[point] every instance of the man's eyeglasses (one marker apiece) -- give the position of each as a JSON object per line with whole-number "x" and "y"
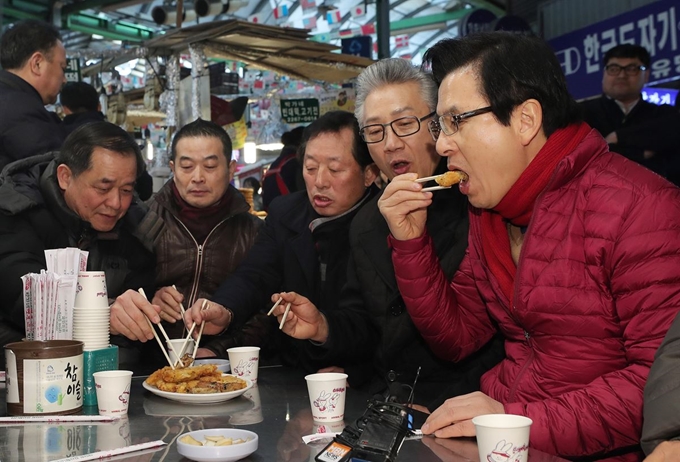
{"x": 450, "y": 123}
{"x": 403, "y": 126}
{"x": 631, "y": 69}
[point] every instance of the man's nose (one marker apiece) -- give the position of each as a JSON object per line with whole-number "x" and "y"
{"x": 198, "y": 175}
{"x": 392, "y": 141}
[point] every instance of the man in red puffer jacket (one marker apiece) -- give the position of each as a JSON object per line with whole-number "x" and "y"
{"x": 573, "y": 253}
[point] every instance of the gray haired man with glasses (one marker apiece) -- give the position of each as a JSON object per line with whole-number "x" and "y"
{"x": 394, "y": 100}
{"x": 644, "y": 132}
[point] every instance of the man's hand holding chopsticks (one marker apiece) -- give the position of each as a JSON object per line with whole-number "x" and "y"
{"x": 170, "y": 300}
{"x": 217, "y": 318}
{"x": 299, "y": 318}
{"x": 129, "y": 316}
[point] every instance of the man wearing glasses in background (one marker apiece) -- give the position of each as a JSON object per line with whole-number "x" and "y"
{"x": 394, "y": 103}
{"x": 644, "y": 132}
{"x": 572, "y": 253}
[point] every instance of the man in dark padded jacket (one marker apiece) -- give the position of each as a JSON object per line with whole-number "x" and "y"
{"x": 81, "y": 198}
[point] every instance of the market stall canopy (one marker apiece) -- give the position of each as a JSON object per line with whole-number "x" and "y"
{"x": 282, "y": 50}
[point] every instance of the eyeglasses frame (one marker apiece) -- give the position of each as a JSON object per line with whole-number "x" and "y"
{"x": 384, "y": 127}
{"x": 436, "y": 123}
{"x": 634, "y": 68}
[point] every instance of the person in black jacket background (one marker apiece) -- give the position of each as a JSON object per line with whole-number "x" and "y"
{"x": 643, "y": 132}
{"x": 80, "y": 102}
{"x": 33, "y": 61}
{"x": 284, "y": 175}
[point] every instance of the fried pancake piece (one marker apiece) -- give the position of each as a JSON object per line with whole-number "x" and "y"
{"x": 188, "y": 373}
{"x": 450, "y": 178}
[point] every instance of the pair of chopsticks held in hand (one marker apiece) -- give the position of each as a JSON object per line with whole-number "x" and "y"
{"x": 285, "y": 313}
{"x": 165, "y": 335}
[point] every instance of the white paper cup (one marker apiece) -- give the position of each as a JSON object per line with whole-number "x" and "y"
{"x": 244, "y": 362}
{"x": 113, "y": 391}
{"x": 327, "y": 396}
{"x": 175, "y": 350}
{"x": 502, "y": 437}
{"x": 91, "y": 290}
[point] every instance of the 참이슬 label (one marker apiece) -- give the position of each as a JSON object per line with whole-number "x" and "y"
{"x": 53, "y": 385}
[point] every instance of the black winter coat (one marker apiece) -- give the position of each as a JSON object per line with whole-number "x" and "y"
{"x": 288, "y": 256}
{"x": 372, "y": 316}
{"x": 34, "y": 217}
{"x": 647, "y": 127}
{"x": 26, "y": 127}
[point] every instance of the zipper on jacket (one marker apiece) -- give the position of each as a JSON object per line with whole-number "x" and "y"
{"x": 199, "y": 260}
{"x": 525, "y": 366}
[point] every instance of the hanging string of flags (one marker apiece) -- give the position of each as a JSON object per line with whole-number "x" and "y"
{"x": 333, "y": 18}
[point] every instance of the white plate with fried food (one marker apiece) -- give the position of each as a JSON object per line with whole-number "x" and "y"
{"x": 217, "y": 444}
{"x": 203, "y": 384}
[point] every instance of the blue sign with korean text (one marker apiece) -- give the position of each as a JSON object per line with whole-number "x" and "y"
{"x": 653, "y": 26}
{"x": 660, "y": 96}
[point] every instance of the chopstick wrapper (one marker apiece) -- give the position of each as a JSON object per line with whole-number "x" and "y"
{"x": 114, "y": 452}
{"x": 56, "y": 418}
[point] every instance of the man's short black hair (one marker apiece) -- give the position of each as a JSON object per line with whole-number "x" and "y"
{"x": 79, "y": 97}
{"x": 25, "y": 38}
{"x": 76, "y": 153}
{"x": 335, "y": 122}
{"x": 628, "y": 50}
{"x": 202, "y": 128}
{"x": 511, "y": 68}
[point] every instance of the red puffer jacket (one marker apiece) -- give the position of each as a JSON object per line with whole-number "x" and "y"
{"x": 596, "y": 289}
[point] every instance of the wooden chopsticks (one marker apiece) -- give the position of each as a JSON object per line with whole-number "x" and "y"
{"x": 285, "y": 313}
{"x": 160, "y": 344}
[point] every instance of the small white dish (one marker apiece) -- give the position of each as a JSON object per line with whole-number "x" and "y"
{"x": 218, "y": 453}
{"x": 222, "y": 364}
{"x": 207, "y": 398}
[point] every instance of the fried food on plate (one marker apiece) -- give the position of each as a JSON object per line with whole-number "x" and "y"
{"x": 451, "y": 178}
{"x": 196, "y": 379}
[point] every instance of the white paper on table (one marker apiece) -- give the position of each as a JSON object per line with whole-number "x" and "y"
{"x": 114, "y": 452}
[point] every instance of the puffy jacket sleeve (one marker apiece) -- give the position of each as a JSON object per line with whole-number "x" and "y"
{"x": 432, "y": 302}
{"x": 643, "y": 270}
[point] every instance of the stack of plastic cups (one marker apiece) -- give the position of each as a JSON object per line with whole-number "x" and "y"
{"x": 91, "y": 311}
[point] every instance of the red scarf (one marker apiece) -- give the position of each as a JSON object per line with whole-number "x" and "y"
{"x": 518, "y": 204}
{"x": 200, "y": 221}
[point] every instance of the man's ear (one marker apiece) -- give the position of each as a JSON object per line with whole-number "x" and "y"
{"x": 36, "y": 63}
{"x": 528, "y": 120}
{"x": 370, "y": 174}
{"x": 232, "y": 169}
{"x": 64, "y": 176}
{"x": 172, "y": 167}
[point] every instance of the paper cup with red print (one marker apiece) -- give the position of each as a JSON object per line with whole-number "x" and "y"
{"x": 91, "y": 290}
{"x": 502, "y": 437}
{"x": 327, "y": 396}
{"x": 113, "y": 392}
{"x": 244, "y": 362}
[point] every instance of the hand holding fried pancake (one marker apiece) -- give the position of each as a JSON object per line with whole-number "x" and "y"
{"x": 404, "y": 206}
